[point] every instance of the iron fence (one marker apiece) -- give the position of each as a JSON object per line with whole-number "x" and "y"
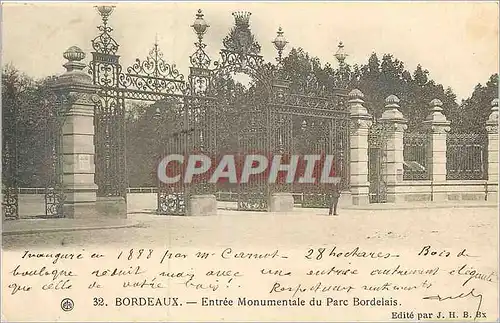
{"x": 415, "y": 157}
{"x": 377, "y": 159}
{"x": 466, "y": 156}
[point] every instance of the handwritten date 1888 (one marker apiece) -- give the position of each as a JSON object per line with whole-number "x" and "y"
{"x": 320, "y": 253}
{"x": 135, "y": 254}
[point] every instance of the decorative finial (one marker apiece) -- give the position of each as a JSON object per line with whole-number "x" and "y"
{"x": 200, "y": 26}
{"x": 436, "y": 116}
{"x": 74, "y": 54}
{"x": 436, "y": 105}
{"x": 392, "y": 102}
{"x": 356, "y": 94}
{"x": 280, "y": 41}
{"x": 492, "y": 122}
{"x": 157, "y": 114}
{"x": 356, "y": 105}
{"x": 105, "y": 12}
{"x": 280, "y": 44}
{"x": 341, "y": 55}
{"x": 391, "y": 112}
{"x": 494, "y": 104}
{"x": 242, "y": 18}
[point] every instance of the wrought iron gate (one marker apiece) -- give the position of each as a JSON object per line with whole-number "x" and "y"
{"x": 377, "y": 150}
{"x": 280, "y": 115}
{"x": 32, "y": 153}
{"x": 209, "y": 112}
{"x": 188, "y": 113}
{"x": 313, "y": 125}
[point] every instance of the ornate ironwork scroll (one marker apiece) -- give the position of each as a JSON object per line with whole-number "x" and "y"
{"x": 153, "y": 74}
{"x": 109, "y": 120}
{"x": 377, "y": 158}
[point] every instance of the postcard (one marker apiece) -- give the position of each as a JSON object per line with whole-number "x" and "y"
{"x": 250, "y": 161}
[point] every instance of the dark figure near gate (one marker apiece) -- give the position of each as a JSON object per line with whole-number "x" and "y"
{"x": 335, "y": 200}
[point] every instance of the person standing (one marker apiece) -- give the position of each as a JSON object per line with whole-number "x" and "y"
{"x": 335, "y": 200}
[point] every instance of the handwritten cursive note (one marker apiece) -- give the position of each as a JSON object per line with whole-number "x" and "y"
{"x": 425, "y": 283}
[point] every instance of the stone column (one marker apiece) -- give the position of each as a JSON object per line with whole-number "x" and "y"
{"x": 78, "y": 137}
{"x": 437, "y": 127}
{"x": 394, "y": 126}
{"x": 358, "y": 164}
{"x": 492, "y": 128}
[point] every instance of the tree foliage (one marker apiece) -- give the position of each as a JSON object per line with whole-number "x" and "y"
{"x": 29, "y": 126}
{"x": 475, "y": 110}
{"x": 377, "y": 79}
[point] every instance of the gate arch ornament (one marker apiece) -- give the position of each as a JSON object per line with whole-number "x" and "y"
{"x": 275, "y": 114}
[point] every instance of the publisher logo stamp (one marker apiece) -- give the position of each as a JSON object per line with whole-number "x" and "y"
{"x": 67, "y": 304}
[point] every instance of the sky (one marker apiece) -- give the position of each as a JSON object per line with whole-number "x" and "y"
{"x": 456, "y": 41}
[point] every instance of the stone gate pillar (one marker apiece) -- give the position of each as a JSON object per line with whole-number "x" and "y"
{"x": 437, "y": 127}
{"x": 394, "y": 126}
{"x": 492, "y": 128}
{"x": 78, "y": 137}
{"x": 360, "y": 125}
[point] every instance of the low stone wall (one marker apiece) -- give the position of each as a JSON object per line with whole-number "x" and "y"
{"x": 456, "y": 190}
{"x": 31, "y": 205}
{"x": 141, "y": 202}
{"x": 416, "y": 191}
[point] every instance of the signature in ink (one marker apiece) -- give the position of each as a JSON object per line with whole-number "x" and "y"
{"x": 472, "y": 293}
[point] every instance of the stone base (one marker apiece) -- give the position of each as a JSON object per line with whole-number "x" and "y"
{"x": 281, "y": 202}
{"x": 201, "y": 205}
{"x": 492, "y": 197}
{"x": 112, "y": 207}
{"x": 492, "y": 194}
{"x": 396, "y": 198}
{"x": 345, "y": 199}
{"x": 439, "y": 197}
{"x": 81, "y": 211}
{"x": 360, "y": 200}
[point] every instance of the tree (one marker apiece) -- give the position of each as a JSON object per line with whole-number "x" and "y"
{"x": 475, "y": 110}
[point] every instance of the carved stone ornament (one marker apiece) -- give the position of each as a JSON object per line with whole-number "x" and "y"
{"x": 492, "y": 129}
{"x": 391, "y": 112}
{"x": 492, "y": 122}
{"x": 74, "y": 75}
{"x": 83, "y": 98}
{"x": 436, "y": 121}
{"x": 360, "y": 124}
{"x": 356, "y": 107}
{"x": 439, "y": 129}
{"x": 390, "y": 126}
